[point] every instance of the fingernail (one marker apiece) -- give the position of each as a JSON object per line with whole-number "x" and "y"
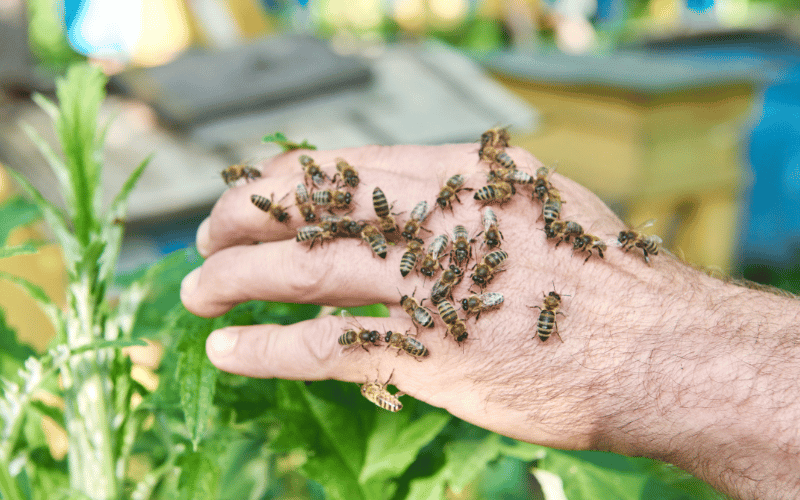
{"x": 203, "y": 238}
{"x": 221, "y": 343}
{"x": 189, "y": 283}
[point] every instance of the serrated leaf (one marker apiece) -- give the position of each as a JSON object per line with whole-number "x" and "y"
{"x": 199, "y": 479}
{"x": 16, "y": 212}
{"x": 55, "y": 219}
{"x": 396, "y": 441}
{"x": 57, "y": 166}
{"x": 197, "y": 377}
{"x": 24, "y": 249}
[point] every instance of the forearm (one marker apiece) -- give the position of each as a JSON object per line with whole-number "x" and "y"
{"x": 713, "y": 388}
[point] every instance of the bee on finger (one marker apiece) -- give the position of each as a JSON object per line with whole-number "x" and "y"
{"x": 476, "y": 304}
{"x": 235, "y": 172}
{"x": 407, "y": 343}
{"x": 430, "y": 263}
{"x": 443, "y": 288}
{"x": 587, "y": 243}
{"x": 551, "y": 209}
{"x": 303, "y": 203}
{"x": 450, "y": 191}
{"x": 491, "y": 231}
{"x": 455, "y": 325}
{"x": 541, "y": 184}
{"x": 358, "y": 335}
{"x": 546, "y": 324}
{"x": 386, "y": 220}
{"x": 421, "y": 316}
{"x": 413, "y": 252}
{"x": 462, "y": 246}
{"x": 375, "y": 239}
{"x": 348, "y": 173}
{"x": 377, "y": 393}
{"x": 498, "y": 157}
{"x": 332, "y": 199}
{"x": 497, "y": 192}
{"x": 276, "y": 210}
{"x": 313, "y": 173}
{"x": 496, "y": 137}
{"x": 631, "y": 238}
{"x": 563, "y": 230}
{"x": 414, "y": 224}
{"x": 314, "y": 234}
{"x": 485, "y": 270}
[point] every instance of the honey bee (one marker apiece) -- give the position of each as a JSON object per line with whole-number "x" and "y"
{"x": 420, "y": 315}
{"x": 384, "y": 212}
{"x": 377, "y": 393}
{"x": 499, "y": 192}
{"x": 491, "y": 231}
{"x": 476, "y": 304}
{"x": 414, "y": 224}
{"x": 486, "y": 269}
{"x": 332, "y": 199}
{"x": 358, "y": 336}
{"x": 455, "y": 325}
{"x": 498, "y": 157}
{"x": 409, "y": 260}
{"x": 407, "y": 343}
{"x": 314, "y": 234}
{"x": 546, "y": 324}
{"x": 541, "y": 184}
{"x": 268, "y": 205}
{"x": 375, "y": 239}
{"x": 551, "y": 209}
{"x": 304, "y": 204}
{"x": 563, "y": 230}
{"x": 518, "y": 177}
{"x": 587, "y": 242}
{"x": 450, "y": 190}
{"x": 341, "y": 225}
{"x": 430, "y": 263}
{"x": 496, "y": 137}
{"x": 312, "y": 170}
{"x": 443, "y": 288}
{"x": 348, "y": 172}
{"x": 462, "y": 246}
{"x": 634, "y": 238}
{"x": 235, "y": 172}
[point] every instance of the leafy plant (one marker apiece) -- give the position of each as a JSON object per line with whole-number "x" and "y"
{"x": 197, "y": 433}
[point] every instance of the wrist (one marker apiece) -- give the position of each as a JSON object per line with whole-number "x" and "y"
{"x": 711, "y": 388}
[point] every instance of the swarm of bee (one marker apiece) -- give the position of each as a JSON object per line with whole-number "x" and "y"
{"x": 321, "y": 196}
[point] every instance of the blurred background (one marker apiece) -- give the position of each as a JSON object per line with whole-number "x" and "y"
{"x": 682, "y": 111}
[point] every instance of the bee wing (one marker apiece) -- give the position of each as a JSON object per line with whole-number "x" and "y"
{"x": 612, "y": 242}
{"x": 645, "y": 224}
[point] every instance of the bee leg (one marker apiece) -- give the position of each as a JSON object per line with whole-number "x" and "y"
{"x": 590, "y": 254}
{"x": 364, "y": 347}
{"x": 646, "y": 258}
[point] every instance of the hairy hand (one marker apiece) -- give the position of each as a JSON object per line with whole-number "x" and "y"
{"x": 502, "y": 377}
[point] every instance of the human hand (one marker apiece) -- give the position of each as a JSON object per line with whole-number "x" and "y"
{"x": 502, "y": 377}
{"x": 650, "y": 362}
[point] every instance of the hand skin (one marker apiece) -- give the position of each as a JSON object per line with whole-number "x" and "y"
{"x": 657, "y": 360}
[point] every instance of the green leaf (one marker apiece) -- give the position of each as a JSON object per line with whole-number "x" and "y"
{"x": 55, "y": 219}
{"x": 396, "y": 441}
{"x": 16, "y": 212}
{"x": 607, "y": 475}
{"x": 24, "y": 249}
{"x": 9, "y": 490}
{"x": 287, "y": 145}
{"x": 333, "y": 431}
{"x": 112, "y": 229}
{"x": 12, "y": 353}
{"x": 196, "y": 375}
{"x": 57, "y": 166}
{"x": 199, "y": 479}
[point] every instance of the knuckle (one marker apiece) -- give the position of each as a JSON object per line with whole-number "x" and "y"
{"x": 321, "y": 344}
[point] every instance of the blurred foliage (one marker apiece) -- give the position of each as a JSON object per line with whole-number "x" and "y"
{"x": 47, "y": 36}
